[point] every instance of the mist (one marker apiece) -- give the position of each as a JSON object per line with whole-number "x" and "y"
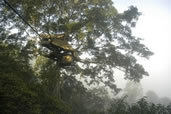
{"x": 154, "y": 27}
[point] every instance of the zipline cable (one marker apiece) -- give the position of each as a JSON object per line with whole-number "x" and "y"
{"x": 15, "y": 11}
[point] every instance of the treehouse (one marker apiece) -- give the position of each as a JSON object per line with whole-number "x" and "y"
{"x": 61, "y": 51}
{"x": 55, "y": 41}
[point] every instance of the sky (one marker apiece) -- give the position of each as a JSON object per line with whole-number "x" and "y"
{"x": 154, "y": 26}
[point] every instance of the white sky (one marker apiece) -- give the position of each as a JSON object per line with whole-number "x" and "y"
{"x": 154, "y": 26}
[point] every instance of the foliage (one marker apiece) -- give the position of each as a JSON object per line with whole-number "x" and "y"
{"x": 19, "y": 90}
{"x": 81, "y": 99}
{"x": 22, "y": 92}
{"x": 153, "y": 97}
{"x": 142, "y": 106}
{"x": 102, "y": 39}
{"x": 94, "y": 28}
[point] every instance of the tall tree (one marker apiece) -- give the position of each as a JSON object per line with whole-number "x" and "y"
{"x": 101, "y": 37}
{"x": 20, "y": 90}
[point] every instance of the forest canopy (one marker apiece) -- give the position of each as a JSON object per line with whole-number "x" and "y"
{"x": 55, "y": 42}
{"x": 94, "y": 28}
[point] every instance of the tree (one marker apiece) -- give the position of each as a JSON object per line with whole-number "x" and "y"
{"x": 142, "y": 106}
{"x": 93, "y": 28}
{"x": 15, "y": 93}
{"x": 153, "y": 97}
{"x": 20, "y": 90}
{"x": 119, "y": 106}
{"x": 133, "y": 91}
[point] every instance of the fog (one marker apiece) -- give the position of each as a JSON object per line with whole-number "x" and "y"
{"x": 154, "y": 27}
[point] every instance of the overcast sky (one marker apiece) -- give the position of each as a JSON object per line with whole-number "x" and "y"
{"x": 154, "y": 26}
